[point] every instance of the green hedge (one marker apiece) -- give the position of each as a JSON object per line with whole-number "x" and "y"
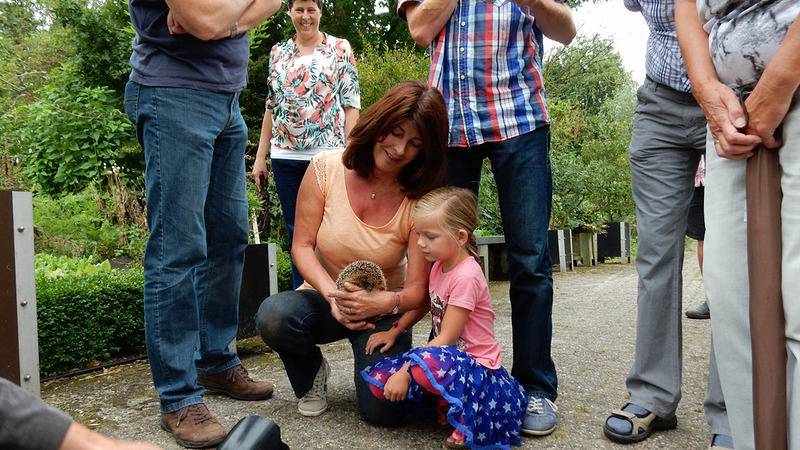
{"x": 94, "y": 313}
{"x": 89, "y": 317}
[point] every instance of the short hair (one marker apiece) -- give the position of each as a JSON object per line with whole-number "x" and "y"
{"x": 453, "y": 209}
{"x": 290, "y": 3}
{"x": 424, "y": 107}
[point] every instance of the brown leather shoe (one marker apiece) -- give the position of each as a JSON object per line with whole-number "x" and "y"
{"x": 237, "y": 383}
{"x": 193, "y": 426}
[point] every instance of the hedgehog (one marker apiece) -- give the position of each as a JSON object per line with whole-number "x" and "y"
{"x": 364, "y": 273}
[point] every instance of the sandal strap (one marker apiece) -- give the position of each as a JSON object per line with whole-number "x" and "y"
{"x": 637, "y": 423}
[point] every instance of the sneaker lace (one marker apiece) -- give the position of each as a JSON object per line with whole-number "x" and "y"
{"x": 317, "y": 391}
{"x": 241, "y": 372}
{"x": 197, "y": 412}
{"x": 536, "y": 405}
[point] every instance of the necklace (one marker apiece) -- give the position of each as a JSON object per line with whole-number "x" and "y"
{"x": 375, "y": 193}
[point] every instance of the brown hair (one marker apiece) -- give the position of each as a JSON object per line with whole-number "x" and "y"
{"x": 424, "y": 107}
{"x": 290, "y": 3}
{"x": 454, "y": 209}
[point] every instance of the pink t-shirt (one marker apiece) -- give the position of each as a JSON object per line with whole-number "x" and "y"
{"x": 465, "y": 287}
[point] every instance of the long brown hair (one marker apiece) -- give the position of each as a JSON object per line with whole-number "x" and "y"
{"x": 424, "y": 107}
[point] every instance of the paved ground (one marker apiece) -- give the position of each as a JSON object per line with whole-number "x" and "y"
{"x": 593, "y": 346}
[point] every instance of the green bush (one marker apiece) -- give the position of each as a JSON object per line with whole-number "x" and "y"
{"x": 380, "y": 69}
{"x": 89, "y": 317}
{"x": 284, "y": 271}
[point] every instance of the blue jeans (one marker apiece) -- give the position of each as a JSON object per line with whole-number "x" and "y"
{"x": 194, "y": 143}
{"x": 288, "y": 174}
{"x": 293, "y": 323}
{"x": 524, "y": 185}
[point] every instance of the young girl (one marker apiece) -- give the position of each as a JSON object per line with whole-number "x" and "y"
{"x": 461, "y": 363}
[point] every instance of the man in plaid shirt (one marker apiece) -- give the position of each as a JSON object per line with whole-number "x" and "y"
{"x": 486, "y": 59}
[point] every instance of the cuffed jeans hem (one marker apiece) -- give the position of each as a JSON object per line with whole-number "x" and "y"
{"x": 233, "y": 363}
{"x": 542, "y": 394}
{"x": 172, "y": 407}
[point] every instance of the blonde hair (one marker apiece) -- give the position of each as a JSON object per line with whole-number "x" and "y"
{"x": 453, "y": 209}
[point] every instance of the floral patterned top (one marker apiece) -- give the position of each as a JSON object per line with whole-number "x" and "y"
{"x": 308, "y": 94}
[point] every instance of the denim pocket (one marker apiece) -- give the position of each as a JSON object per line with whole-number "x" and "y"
{"x": 131, "y": 102}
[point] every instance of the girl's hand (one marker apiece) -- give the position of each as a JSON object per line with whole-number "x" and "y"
{"x": 358, "y": 304}
{"x": 396, "y": 387}
{"x": 384, "y": 338}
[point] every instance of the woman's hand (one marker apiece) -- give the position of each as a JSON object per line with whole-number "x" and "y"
{"x": 396, "y": 387}
{"x": 725, "y": 117}
{"x": 357, "y": 303}
{"x": 260, "y": 170}
{"x": 384, "y": 338}
{"x": 346, "y": 320}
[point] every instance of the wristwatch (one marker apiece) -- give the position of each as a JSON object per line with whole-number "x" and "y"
{"x": 234, "y": 29}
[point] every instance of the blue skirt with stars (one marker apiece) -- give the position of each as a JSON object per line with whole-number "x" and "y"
{"x": 486, "y": 405}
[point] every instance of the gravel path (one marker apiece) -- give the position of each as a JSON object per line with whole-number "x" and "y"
{"x": 593, "y": 345}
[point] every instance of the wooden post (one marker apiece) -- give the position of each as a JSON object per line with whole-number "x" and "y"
{"x": 19, "y": 340}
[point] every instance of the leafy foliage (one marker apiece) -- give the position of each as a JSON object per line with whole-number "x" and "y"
{"x": 591, "y": 99}
{"x": 71, "y": 133}
{"x": 89, "y": 317}
{"x": 101, "y": 35}
{"x": 59, "y": 266}
{"x": 84, "y": 225}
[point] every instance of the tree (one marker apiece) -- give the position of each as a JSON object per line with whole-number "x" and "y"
{"x": 591, "y": 99}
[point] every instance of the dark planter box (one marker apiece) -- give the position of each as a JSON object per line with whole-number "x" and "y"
{"x": 494, "y": 258}
{"x": 615, "y": 242}
{"x": 259, "y": 281}
{"x": 560, "y": 243}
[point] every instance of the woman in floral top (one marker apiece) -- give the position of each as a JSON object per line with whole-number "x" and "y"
{"x": 312, "y": 104}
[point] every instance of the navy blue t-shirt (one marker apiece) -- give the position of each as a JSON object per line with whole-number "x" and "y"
{"x": 182, "y": 60}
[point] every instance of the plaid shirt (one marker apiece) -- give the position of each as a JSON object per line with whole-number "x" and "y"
{"x": 664, "y": 62}
{"x": 487, "y": 62}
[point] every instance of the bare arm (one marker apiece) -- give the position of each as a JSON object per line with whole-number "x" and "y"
{"x": 78, "y": 437}
{"x": 264, "y": 142}
{"x": 553, "y": 18}
{"x": 426, "y": 19}
{"x": 414, "y": 294}
{"x": 350, "y": 119}
{"x": 214, "y": 19}
{"x": 719, "y": 102}
{"x": 772, "y": 96}
{"x": 455, "y": 317}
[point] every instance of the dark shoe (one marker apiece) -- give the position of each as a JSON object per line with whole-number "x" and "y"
{"x": 720, "y": 441}
{"x": 641, "y": 424}
{"x": 193, "y": 426}
{"x": 236, "y": 382}
{"x": 254, "y": 433}
{"x": 701, "y": 312}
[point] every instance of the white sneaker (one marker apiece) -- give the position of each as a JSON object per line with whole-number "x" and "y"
{"x": 315, "y": 402}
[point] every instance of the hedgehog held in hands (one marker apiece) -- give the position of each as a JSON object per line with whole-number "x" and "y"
{"x": 363, "y": 273}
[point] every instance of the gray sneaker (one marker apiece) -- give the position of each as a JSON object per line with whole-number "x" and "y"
{"x": 540, "y": 417}
{"x": 315, "y": 402}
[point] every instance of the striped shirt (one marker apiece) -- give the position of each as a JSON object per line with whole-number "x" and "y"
{"x": 664, "y": 62}
{"x": 487, "y": 62}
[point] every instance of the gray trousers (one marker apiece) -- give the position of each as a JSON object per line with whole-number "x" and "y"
{"x": 727, "y": 282}
{"x": 668, "y": 138}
